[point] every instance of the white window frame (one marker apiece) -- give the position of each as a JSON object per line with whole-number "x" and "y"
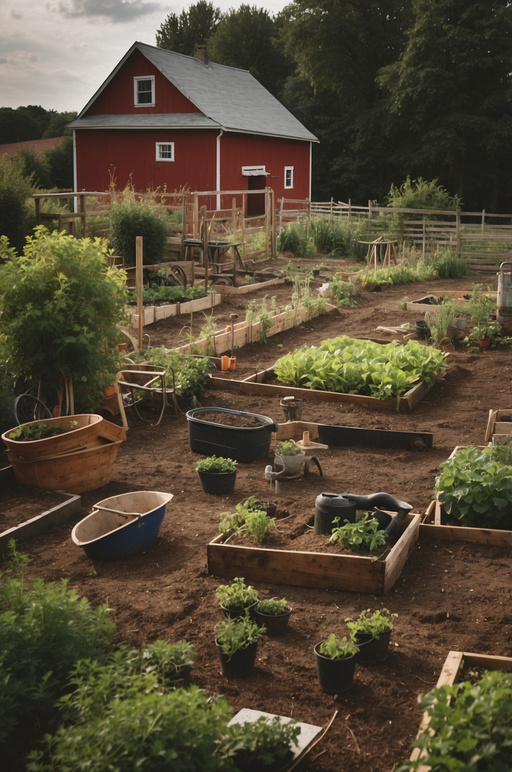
{"x": 158, "y": 151}
{"x": 136, "y": 93}
{"x": 288, "y": 172}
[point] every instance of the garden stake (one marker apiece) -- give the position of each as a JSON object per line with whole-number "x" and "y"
{"x": 232, "y": 318}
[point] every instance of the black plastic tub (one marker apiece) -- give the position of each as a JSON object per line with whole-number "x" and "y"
{"x": 241, "y": 443}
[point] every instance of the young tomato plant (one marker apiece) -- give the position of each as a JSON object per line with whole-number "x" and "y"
{"x": 363, "y": 534}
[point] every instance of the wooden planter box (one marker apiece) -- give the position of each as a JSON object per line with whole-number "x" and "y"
{"x": 499, "y": 425}
{"x": 39, "y": 524}
{"x": 450, "y": 673}
{"x": 434, "y": 527}
{"x": 155, "y": 313}
{"x": 246, "y": 289}
{"x": 255, "y": 384}
{"x": 353, "y": 573}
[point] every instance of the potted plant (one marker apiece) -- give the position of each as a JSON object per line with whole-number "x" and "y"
{"x": 335, "y": 661}
{"x": 217, "y": 475}
{"x": 290, "y": 456}
{"x": 236, "y": 598}
{"x": 371, "y": 632}
{"x": 273, "y": 614}
{"x": 484, "y": 335}
{"x": 263, "y": 745}
{"x": 172, "y": 662}
{"x": 237, "y": 642}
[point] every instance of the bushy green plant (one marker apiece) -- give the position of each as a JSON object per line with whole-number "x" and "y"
{"x": 476, "y": 488}
{"x": 344, "y": 294}
{"x": 236, "y": 633}
{"x": 447, "y": 265}
{"x": 168, "y": 661}
{"x": 131, "y": 219}
{"x": 288, "y": 448}
{"x": 237, "y": 595}
{"x": 59, "y": 307}
{"x": 246, "y": 521}
{"x": 421, "y": 194}
{"x": 469, "y": 726}
{"x": 364, "y": 533}
{"x": 340, "y": 237}
{"x": 165, "y": 294}
{"x": 262, "y": 744}
{"x": 187, "y": 374}
{"x": 376, "y": 623}
{"x": 45, "y": 629}
{"x": 272, "y": 606}
{"x": 294, "y": 239}
{"x": 7, "y": 387}
{"x": 337, "y": 648}
{"x": 40, "y": 430}
{"x": 216, "y": 464}
{"x": 15, "y": 190}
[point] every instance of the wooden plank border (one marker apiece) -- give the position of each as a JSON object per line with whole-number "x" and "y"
{"x": 39, "y": 524}
{"x": 353, "y": 573}
{"x": 432, "y": 527}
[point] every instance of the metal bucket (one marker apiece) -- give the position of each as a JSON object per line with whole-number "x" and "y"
{"x": 504, "y": 295}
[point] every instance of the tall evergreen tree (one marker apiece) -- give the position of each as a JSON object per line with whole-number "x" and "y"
{"x": 191, "y": 28}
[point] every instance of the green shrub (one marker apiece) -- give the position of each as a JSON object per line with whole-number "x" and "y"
{"x": 421, "y": 194}
{"x": 15, "y": 189}
{"x": 45, "y": 629}
{"x": 191, "y": 374}
{"x": 340, "y": 238}
{"x": 447, "y": 265}
{"x": 294, "y": 239}
{"x": 131, "y": 219}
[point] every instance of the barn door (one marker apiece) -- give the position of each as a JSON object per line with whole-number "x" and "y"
{"x": 256, "y": 202}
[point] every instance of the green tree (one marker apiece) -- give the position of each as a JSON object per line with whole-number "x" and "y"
{"x": 57, "y": 125}
{"x": 191, "y": 28}
{"x": 17, "y": 126}
{"x": 34, "y": 166}
{"x": 15, "y": 191}
{"x": 247, "y": 38}
{"x": 449, "y": 97}
{"x": 60, "y": 163}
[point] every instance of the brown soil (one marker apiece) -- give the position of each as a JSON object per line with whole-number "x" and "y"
{"x": 451, "y": 595}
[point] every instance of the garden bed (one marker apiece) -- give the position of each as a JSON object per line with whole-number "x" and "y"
{"x": 156, "y": 313}
{"x": 262, "y": 383}
{"x": 437, "y": 525}
{"x": 328, "y": 570}
{"x": 454, "y": 664}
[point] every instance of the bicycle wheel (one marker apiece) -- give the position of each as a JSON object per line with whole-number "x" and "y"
{"x": 29, "y": 408}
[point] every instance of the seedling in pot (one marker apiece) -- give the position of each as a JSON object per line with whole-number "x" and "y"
{"x": 216, "y": 464}
{"x": 272, "y": 606}
{"x": 236, "y": 633}
{"x": 237, "y": 595}
{"x": 337, "y": 648}
{"x": 374, "y": 624}
{"x": 288, "y": 448}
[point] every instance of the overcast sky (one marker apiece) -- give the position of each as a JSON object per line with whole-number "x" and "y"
{"x": 58, "y": 53}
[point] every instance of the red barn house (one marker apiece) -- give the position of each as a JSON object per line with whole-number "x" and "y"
{"x": 164, "y": 119}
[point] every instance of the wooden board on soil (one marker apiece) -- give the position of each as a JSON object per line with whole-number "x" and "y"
{"x": 26, "y": 512}
{"x": 437, "y": 525}
{"x": 310, "y": 567}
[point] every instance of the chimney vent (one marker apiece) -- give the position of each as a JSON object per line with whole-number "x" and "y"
{"x": 202, "y": 54}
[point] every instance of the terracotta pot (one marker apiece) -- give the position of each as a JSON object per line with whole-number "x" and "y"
{"x": 484, "y": 342}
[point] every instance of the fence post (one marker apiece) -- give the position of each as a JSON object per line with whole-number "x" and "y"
{"x": 308, "y": 216}
{"x": 273, "y": 249}
{"x": 483, "y": 221}
{"x": 350, "y": 210}
{"x": 204, "y": 239}
{"x": 457, "y": 232}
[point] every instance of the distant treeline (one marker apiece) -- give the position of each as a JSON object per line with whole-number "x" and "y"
{"x": 32, "y": 122}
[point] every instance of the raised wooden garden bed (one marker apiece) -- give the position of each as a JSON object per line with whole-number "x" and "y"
{"x": 435, "y": 525}
{"x": 433, "y": 308}
{"x": 260, "y": 383}
{"x": 250, "y": 333}
{"x": 450, "y": 674}
{"x": 499, "y": 425}
{"x": 331, "y": 571}
{"x": 155, "y": 313}
{"x": 350, "y": 436}
{"x": 246, "y": 289}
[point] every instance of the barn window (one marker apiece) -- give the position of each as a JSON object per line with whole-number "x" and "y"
{"x": 144, "y": 91}
{"x": 165, "y": 151}
{"x": 288, "y": 176}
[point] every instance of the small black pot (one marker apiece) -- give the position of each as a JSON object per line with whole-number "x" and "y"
{"x": 334, "y": 675}
{"x": 372, "y": 650}
{"x": 233, "y": 613}
{"x": 240, "y": 664}
{"x": 217, "y": 483}
{"x": 275, "y": 624}
{"x": 422, "y": 330}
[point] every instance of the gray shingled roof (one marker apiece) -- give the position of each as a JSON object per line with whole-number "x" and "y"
{"x": 227, "y": 97}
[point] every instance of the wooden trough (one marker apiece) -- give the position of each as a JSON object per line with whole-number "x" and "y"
{"x": 350, "y": 572}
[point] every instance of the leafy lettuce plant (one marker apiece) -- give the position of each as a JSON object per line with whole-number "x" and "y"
{"x": 363, "y": 534}
{"x": 475, "y": 487}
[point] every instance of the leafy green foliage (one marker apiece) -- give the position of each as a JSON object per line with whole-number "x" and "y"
{"x": 236, "y": 633}
{"x": 163, "y": 294}
{"x": 246, "y": 521}
{"x": 344, "y": 294}
{"x": 261, "y": 744}
{"x": 131, "y": 219}
{"x": 475, "y": 487}
{"x": 192, "y": 27}
{"x": 272, "y": 606}
{"x": 45, "y": 629}
{"x": 191, "y": 374}
{"x": 376, "y": 623}
{"x": 294, "y": 239}
{"x": 421, "y": 194}
{"x": 447, "y": 265}
{"x": 216, "y": 464}
{"x": 40, "y": 430}
{"x": 237, "y": 595}
{"x": 15, "y": 189}
{"x": 353, "y": 366}
{"x": 469, "y": 727}
{"x": 288, "y": 448}
{"x": 59, "y": 307}
{"x": 337, "y": 648}
{"x": 364, "y": 534}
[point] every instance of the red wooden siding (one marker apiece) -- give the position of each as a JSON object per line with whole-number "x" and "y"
{"x": 117, "y": 97}
{"x": 129, "y": 156}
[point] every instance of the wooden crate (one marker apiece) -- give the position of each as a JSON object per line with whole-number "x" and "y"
{"x": 255, "y": 384}
{"x": 434, "y": 527}
{"x": 499, "y": 423}
{"x": 353, "y": 573}
{"x": 449, "y": 675}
